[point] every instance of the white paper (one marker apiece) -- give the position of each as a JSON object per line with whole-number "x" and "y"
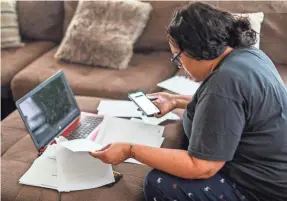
{"x": 43, "y": 172}
{"x": 137, "y": 120}
{"x": 121, "y": 130}
{"x": 118, "y": 108}
{"x": 156, "y": 121}
{"x": 81, "y": 145}
{"x": 80, "y": 171}
{"x": 134, "y": 161}
{"x": 180, "y": 85}
{"x": 60, "y": 139}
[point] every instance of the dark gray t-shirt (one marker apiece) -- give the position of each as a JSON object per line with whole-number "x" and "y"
{"x": 239, "y": 115}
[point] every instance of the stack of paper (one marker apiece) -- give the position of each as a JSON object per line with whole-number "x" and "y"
{"x": 121, "y": 130}
{"x": 180, "y": 85}
{"x": 43, "y": 172}
{"x": 118, "y": 108}
{"x": 80, "y": 171}
{"x": 68, "y": 167}
{"x": 156, "y": 121}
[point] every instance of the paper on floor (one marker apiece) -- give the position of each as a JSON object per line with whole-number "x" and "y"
{"x": 118, "y": 108}
{"x": 81, "y": 145}
{"x": 80, "y": 171}
{"x": 180, "y": 85}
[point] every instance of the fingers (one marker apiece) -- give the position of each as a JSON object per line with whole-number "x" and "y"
{"x": 153, "y": 96}
{"x": 105, "y": 147}
{"x": 97, "y": 154}
{"x": 157, "y": 104}
{"x": 100, "y": 154}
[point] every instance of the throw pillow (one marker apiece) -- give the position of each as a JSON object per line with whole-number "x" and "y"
{"x": 10, "y": 36}
{"x": 102, "y": 33}
{"x": 255, "y": 20}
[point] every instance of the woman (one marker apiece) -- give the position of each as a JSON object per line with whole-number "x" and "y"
{"x": 235, "y": 123}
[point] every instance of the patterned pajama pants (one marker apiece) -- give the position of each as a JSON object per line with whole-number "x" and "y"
{"x": 160, "y": 186}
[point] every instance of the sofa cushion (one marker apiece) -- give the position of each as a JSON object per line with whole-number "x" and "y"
{"x": 99, "y": 39}
{"x": 154, "y": 35}
{"x": 145, "y": 71}
{"x": 70, "y": 9}
{"x": 14, "y": 60}
{"x": 41, "y": 20}
{"x": 273, "y": 35}
{"x": 11, "y": 190}
{"x": 273, "y": 31}
{"x": 20, "y": 153}
{"x": 10, "y": 136}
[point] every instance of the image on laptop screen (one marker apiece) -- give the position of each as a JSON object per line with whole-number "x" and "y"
{"x": 49, "y": 110}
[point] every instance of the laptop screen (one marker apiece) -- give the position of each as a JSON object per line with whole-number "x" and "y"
{"x": 48, "y": 109}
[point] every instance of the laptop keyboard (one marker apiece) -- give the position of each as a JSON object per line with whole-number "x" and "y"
{"x": 85, "y": 127}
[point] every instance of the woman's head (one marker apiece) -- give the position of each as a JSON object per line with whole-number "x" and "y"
{"x": 204, "y": 33}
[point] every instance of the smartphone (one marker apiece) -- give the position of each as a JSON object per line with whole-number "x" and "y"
{"x": 144, "y": 103}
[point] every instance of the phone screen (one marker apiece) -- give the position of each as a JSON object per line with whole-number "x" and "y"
{"x": 144, "y": 103}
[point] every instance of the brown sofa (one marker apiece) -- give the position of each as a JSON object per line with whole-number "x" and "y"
{"x": 42, "y": 27}
{"x": 18, "y": 153}
{"x": 150, "y": 63}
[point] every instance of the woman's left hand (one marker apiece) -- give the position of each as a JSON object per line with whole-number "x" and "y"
{"x": 114, "y": 154}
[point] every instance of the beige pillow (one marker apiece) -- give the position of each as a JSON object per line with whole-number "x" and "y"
{"x": 10, "y": 36}
{"x": 102, "y": 33}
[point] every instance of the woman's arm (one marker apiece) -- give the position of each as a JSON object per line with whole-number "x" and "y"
{"x": 168, "y": 102}
{"x": 182, "y": 101}
{"x": 172, "y": 161}
{"x": 175, "y": 162}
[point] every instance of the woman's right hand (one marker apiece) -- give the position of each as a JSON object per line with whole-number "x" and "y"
{"x": 164, "y": 101}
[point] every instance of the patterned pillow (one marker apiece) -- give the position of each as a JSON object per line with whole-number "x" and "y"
{"x": 10, "y": 36}
{"x": 102, "y": 33}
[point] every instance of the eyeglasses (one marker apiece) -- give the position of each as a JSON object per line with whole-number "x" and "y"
{"x": 175, "y": 60}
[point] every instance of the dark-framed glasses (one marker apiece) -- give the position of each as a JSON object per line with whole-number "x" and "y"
{"x": 176, "y": 59}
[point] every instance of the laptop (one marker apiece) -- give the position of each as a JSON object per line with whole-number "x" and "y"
{"x": 50, "y": 110}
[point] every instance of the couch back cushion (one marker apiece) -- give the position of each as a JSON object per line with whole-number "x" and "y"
{"x": 273, "y": 35}
{"x": 273, "y": 31}
{"x": 41, "y": 20}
